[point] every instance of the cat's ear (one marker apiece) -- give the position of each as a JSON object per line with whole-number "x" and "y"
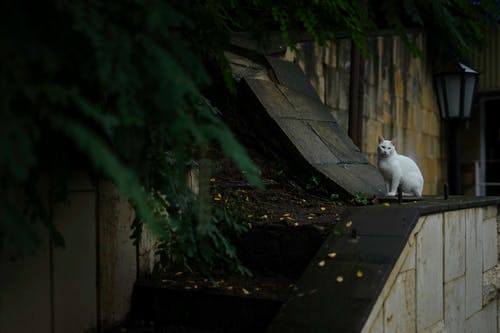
{"x": 380, "y": 139}
{"x": 394, "y": 141}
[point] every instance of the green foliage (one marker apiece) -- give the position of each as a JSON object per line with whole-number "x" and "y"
{"x": 117, "y": 88}
{"x": 360, "y": 200}
{"x": 312, "y": 183}
{"x": 110, "y": 88}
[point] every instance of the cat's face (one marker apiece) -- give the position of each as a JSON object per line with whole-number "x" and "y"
{"x": 386, "y": 147}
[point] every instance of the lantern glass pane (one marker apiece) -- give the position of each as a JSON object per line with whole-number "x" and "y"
{"x": 470, "y": 81}
{"x": 453, "y": 95}
{"x": 441, "y": 95}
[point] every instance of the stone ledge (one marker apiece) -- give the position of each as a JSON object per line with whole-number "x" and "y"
{"x": 437, "y": 204}
{"x": 331, "y": 295}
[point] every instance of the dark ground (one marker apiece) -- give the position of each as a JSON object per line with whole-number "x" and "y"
{"x": 286, "y": 225}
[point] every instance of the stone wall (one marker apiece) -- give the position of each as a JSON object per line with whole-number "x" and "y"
{"x": 399, "y": 99}
{"x": 446, "y": 278}
{"x": 86, "y": 285}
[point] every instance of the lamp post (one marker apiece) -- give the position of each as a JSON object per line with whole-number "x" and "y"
{"x": 455, "y": 87}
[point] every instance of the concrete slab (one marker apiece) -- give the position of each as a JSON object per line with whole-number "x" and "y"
{"x": 399, "y": 306}
{"x": 291, "y": 75}
{"x": 489, "y": 243}
{"x": 474, "y": 261}
{"x": 454, "y": 305}
{"x": 309, "y": 135}
{"x": 429, "y": 272}
{"x": 75, "y": 269}
{"x": 454, "y": 245}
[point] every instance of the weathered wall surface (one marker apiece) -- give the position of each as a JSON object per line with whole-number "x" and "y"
{"x": 55, "y": 290}
{"x": 79, "y": 288}
{"x": 398, "y": 99}
{"x": 446, "y": 278}
{"x": 328, "y": 69}
{"x": 117, "y": 255}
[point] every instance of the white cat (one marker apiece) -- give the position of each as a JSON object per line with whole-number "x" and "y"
{"x": 398, "y": 170}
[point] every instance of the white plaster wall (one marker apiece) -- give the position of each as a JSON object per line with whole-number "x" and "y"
{"x": 446, "y": 279}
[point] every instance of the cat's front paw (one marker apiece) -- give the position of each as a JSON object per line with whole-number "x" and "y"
{"x": 391, "y": 193}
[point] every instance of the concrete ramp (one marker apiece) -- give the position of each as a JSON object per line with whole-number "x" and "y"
{"x": 287, "y": 116}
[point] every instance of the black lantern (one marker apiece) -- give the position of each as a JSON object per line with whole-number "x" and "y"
{"x": 455, "y": 87}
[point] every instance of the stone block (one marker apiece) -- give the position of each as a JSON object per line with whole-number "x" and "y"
{"x": 370, "y": 102}
{"x": 319, "y": 85}
{"x": 399, "y": 307}
{"x": 344, "y": 53}
{"x": 490, "y": 235}
{"x": 483, "y": 321}
{"x": 432, "y": 123}
{"x": 119, "y": 254}
{"x": 413, "y": 118}
{"x": 490, "y": 285}
{"x": 371, "y": 131}
{"x": 490, "y": 212}
{"x": 473, "y": 261}
{"x": 75, "y": 266}
{"x": 454, "y": 305}
{"x": 399, "y": 84}
{"x": 343, "y": 90}
{"x": 377, "y": 325}
{"x": 330, "y": 54}
{"x": 454, "y": 244}
{"x": 429, "y": 267}
{"x": 400, "y": 113}
{"x": 25, "y": 296}
{"x": 409, "y": 262}
{"x": 332, "y": 86}
{"x": 437, "y": 327}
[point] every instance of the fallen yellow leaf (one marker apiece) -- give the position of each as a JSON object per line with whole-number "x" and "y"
{"x": 310, "y": 217}
{"x": 321, "y": 263}
{"x": 246, "y": 292}
{"x": 286, "y": 214}
{"x": 212, "y": 180}
{"x": 322, "y": 209}
{"x": 179, "y": 273}
{"x": 250, "y": 216}
{"x": 247, "y": 199}
{"x": 386, "y": 204}
{"x": 264, "y": 216}
{"x": 296, "y": 224}
{"x": 339, "y": 279}
{"x": 359, "y": 273}
{"x": 332, "y": 254}
{"x": 348, "y": 224}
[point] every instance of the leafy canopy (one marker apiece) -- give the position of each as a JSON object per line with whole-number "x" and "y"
{"x": 116, "y": 87}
